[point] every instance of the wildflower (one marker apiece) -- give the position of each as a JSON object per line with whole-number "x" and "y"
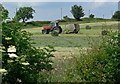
{"x": 19, "y": 80}
{"x": 8, "y": 38}
{"x": 11, "y": 49}
{"x": 25, "y": 63}
{"x": 35, "y": 64}
{"x": 12, "y": 55}
{"x": 3, "y": 71}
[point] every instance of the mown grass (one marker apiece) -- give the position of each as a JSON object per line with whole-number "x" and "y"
{"x": 64, "y": 40}
{"x": 72, "y": 40}
{"x": 68, "y": 46}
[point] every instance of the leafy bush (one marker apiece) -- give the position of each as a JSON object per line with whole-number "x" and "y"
{"x": 116, "y": 15}
{"x": 104, "y": 32}
{"x": 101, "y": 64}
{"x": 88, "y": 27}
{"x": 54, "y": 33}
{"x": 91, "y": 16}
{"x": 24, "y": 63}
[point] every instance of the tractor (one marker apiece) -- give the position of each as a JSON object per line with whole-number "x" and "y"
{"x": 54, "y": 25}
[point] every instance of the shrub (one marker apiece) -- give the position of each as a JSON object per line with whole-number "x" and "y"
{"x": 88, "y": 27}
{"x": 25, "y": 63}
{"x": 104, "y": 32}
{"x": 102, "y": 63}
{"x": 38, "y": 23}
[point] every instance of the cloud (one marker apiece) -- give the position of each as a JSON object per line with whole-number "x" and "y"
{"x": 33, "y": 4}
{"x": 99, "y": 3}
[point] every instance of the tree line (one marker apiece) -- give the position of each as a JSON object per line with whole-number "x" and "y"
{"x": 25, "y": 13}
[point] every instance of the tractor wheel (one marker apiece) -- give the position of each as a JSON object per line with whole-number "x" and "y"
{"x": 58, "y": 29}
{"x": 44, "y": 31}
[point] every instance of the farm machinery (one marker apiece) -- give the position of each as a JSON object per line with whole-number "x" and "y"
{"x": 53, "y": 26}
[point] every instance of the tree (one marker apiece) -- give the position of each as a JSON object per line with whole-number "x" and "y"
{"x": 77, "y": 12}
{"x": 91, "y": 16}
{"x": 116, "y": 15}
{"x": 66, "y": 18}
{"x": 24, "y": 13}
{"x": 3, "y": 12}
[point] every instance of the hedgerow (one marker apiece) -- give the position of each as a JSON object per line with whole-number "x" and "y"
{"x": 101, "y": 63}
{"x": 23, "y": 62}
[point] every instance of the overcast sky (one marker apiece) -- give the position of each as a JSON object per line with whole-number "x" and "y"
{"x": 52, "y": 10}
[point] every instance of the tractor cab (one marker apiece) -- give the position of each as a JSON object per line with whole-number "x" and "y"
{"x": 54, "y": 24}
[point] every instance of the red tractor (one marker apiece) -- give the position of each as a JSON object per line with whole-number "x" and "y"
{"x": 53, "y": 26}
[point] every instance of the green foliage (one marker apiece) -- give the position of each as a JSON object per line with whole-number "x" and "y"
{"x": 66, "y": 18}
{"x": 4, "y": 12}
{"x": 101, "y": 64}
{"x": 104, "y": 32}
{"x": 38, "y": 23}
{"x": 26, "y": 64}
{"x": 24, "y": 14}
{"x": 91, "y": 16}
{"x": 77, "y": 12}
{"x": 116, "y": 15}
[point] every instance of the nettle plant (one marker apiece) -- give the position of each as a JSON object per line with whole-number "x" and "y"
{"x": 23, "y": 62}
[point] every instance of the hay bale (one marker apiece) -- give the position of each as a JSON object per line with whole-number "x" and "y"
{"x": 88, "y": 27}
{"x": 72, "y": 28}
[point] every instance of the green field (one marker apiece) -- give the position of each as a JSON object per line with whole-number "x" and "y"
{"x": 82, "y": 39}
{"x": 70, "y": 45}
{"x": 64, "y": 43}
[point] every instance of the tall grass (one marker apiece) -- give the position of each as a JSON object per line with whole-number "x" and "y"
{"x": 98, "y": 64}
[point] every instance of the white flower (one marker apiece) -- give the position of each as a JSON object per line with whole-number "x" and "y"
{"x": 24, "y": 63}
{"x": 3, "y": 71}
{"x": 19, "y": 80}
{"x": 11, "y": 49}
{"x": 12, "y": 55}
{"x": 8, "y": 38}
{"x": 111, "y": 40}
{"x": 10, "y": 61}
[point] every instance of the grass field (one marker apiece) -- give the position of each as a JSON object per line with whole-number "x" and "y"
{"x": 82, "y": 39}
{"x": 69, "y": 45}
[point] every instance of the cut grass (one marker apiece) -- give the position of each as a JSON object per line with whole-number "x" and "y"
{"x": 72, "y": 40}
{"x": 68, "y": 46}
{"x": 64, "y": 40}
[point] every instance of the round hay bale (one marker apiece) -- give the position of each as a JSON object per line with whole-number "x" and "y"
{"x": 72, "y": 28}
{"x": 77, "y": 28}
{"x": 88, "y": 27}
